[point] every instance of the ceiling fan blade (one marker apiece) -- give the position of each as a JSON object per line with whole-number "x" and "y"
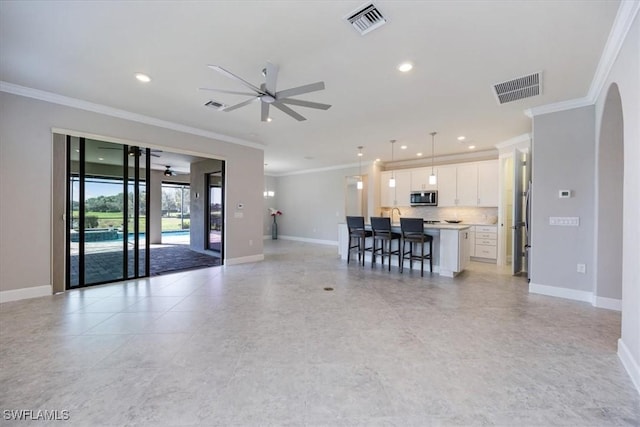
{"x": 264, "y": 115}
{"x": 302, "y": 103}
{"x": 300, "y": 90}
{"x": 289, "y": 111}
{"x": 234, "y": 92}
{"x": 233, "y": 76}
{"x": 271, "y": 78}
{"x": 242, "y": 104}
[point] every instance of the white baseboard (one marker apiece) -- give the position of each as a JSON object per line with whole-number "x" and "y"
{"x": 608, "y": 303}
{"x": 244, "y": 259}
{"x": 307, "y": 240}
{"x": 629, "y": 364}
{"x": 567, "y": 293}
{"x": 24, "y": 293}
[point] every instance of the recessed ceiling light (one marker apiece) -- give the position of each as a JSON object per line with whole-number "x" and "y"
{"x": 471, "y": 147}
{"x": 269, "y": 119}
{"x": 404, "y": 147}
{"x": 405, "y": 67}
{"x": 419, "y": 154}
{"x": 461, "y": 138}
{"x": 143, "y": 77}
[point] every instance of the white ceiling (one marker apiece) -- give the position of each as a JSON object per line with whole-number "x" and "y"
{"x": 91, "y": 50}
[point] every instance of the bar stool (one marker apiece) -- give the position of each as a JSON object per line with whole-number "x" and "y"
{"x": 357, "y": 237}
{"x": 381, "y": 227}
{"x": 412, "y": 230}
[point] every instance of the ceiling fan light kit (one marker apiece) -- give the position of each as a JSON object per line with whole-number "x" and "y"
{"x": 268, "y": 95}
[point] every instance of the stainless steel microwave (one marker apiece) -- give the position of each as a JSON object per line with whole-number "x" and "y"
{"x": 424, "y": 198}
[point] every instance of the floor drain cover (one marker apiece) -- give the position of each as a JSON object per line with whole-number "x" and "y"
{"x": 328, "y": 289}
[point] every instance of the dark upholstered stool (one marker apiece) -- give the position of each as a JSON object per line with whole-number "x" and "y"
{"x": 412, "y": 230}
{"x": 381, "y": 227}
{"x": 357, "y": 237}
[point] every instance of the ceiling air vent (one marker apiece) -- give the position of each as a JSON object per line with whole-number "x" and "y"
{"x": 366, "y": 19}
{"x": 215, "y": 105}
{"x": 520, "y": 88}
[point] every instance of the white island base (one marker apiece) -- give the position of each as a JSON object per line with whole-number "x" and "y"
{"x": 450, "y": 247}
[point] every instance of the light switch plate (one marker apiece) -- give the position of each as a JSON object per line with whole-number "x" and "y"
{"x": 565, "y": 221}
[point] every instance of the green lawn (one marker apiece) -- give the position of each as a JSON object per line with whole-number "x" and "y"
{"x": 115, "y": 220}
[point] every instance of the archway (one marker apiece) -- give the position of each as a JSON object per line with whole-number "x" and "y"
{"x": 609, "y": 204}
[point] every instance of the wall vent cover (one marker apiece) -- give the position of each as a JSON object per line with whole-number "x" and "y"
{"x": 215, "y": 105}
{"x": 366, "y": 18}
{"x": 519, "y": 88}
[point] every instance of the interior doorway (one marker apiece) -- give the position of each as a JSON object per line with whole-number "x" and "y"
{"x": 610, "y": 183}
{"x": 215, "y": 213}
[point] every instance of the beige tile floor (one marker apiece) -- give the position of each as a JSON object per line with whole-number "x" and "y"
{"x": 264, "y": 344}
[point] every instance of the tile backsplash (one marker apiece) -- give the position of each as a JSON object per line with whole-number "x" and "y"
{"x": 467, "y": 215}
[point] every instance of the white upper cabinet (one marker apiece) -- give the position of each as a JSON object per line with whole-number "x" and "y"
{"x": 420, "y": 179}
{"x": 464, "y": 184}
{"x": 398, "y": 195}
{"x": 488, "y": 179}
{"x": 447, "y": 193}
{"x": 467, "y": 184}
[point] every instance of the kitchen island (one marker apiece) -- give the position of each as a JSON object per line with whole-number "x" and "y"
{"x": 450, "y": 246}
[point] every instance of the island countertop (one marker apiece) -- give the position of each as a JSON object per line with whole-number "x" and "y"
{"x": 439, "y": 226}
{"x": 450, "y": 245}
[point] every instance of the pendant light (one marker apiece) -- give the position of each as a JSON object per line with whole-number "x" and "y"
{"x": 432, "y": 178}
{"x": 392, "y": 180}
{"x": 359, "y": 185}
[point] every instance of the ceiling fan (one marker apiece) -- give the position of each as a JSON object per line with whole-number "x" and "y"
{"x": 267, "y": 94}
{"x": 132, "y": 150}
{"x": 169, "y": 172}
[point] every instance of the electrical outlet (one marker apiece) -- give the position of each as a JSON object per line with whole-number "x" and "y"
{"x": 582, "y": 268}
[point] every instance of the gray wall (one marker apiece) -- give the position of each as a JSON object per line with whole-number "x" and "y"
{"x": 155, "y": 207}
{"x": 198, "y": 204}
{"x": 26, "y": 166}
{"x": 313, "y": 204}
{"x": 624, "y": 73}
{"x": 564, "y": 159}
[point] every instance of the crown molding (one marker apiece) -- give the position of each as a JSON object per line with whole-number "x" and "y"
{"x": 621, "y": 25}
{"x": 328, "y": 168}
{"x": 520, "y": 139}
{"x": 558, "y": 106}
{"x": 80, "y": 104}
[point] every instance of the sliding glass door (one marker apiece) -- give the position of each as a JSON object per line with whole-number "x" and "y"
{"x": 106, "y": 212}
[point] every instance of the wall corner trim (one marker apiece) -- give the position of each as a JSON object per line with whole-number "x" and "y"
{"x": 629, "y": 363}
{"x": 619, "y": 30}
{"x": 25, "y": 293}
{"x": 608, "y": 303}
{"x": 244, "y": 259}
{"x": 555, "y": 291}
{"x": 307, "y": 240}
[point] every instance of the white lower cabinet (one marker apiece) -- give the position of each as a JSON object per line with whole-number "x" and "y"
{"x": 486, "y": 242}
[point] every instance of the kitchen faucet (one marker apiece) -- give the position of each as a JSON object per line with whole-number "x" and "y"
{"x": 399, "y": 214}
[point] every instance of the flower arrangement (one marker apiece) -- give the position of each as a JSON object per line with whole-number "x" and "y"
{"x": 274, "y": 227}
